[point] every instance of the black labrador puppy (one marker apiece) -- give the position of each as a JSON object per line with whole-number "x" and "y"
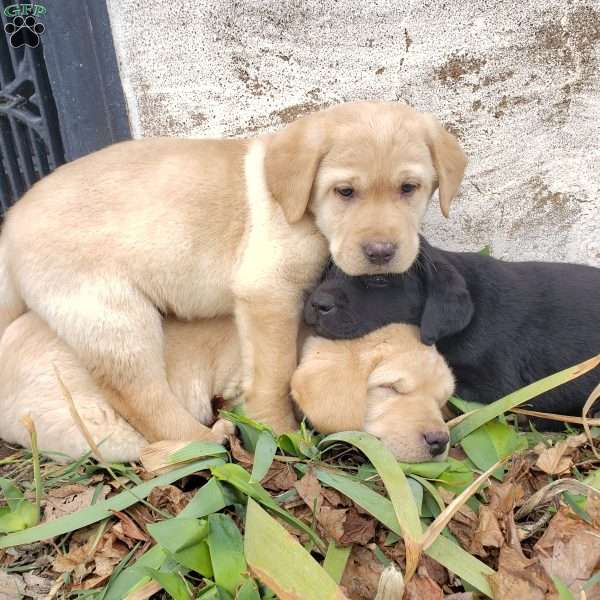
{"x": 500, "y": 325}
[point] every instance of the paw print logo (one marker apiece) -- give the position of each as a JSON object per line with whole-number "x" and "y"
{"x": 24, "y": 32}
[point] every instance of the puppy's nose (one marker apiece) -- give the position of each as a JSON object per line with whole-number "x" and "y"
{"x": 379, "y": 253}
{"x": 323, "y": 303}
{"x": 437, "y": 442}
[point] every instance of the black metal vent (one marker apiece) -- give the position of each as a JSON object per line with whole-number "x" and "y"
{"x": 30, "y": 140}
{"x": 60, "y": 100}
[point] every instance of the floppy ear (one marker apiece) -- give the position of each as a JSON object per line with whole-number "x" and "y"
{"x": 448, "y": 306}
{"x": 330, "y": 387}
{"x": 449, "y": 161}
{"x": 291, "y": 162}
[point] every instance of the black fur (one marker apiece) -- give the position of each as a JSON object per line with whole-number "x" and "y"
{"x": 500, "y": 325}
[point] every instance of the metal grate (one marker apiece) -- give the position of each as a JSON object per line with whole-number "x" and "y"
{"x": 30, "y": 138}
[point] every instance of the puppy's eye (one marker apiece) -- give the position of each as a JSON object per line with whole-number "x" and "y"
{"x": 408, "y": 188}
{"x": 345, "y": 191}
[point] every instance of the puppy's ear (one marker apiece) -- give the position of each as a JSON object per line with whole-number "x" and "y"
{"x": 330, "y": 386}
{"x": 448, "y": 306}
{"x": 449, "y": 161}
{"x": 292, "y": 159}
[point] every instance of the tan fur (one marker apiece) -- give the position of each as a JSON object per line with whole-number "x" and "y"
{"x": 201, "y": 228}
{"x": 387, "y": 383}
{"x": 202, "y": 361}
{"x": 341, "y": 386}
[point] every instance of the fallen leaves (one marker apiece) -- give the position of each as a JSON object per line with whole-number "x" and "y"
{"x": 69, "y": 499}
{"x": 570, "y": 549}
{"x": 557, "y": 459}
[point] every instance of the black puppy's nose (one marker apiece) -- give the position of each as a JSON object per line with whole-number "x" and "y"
{"x": 379, "y": 253}
{"x": 437, "y": 442}
{"x": 323, "y": 302}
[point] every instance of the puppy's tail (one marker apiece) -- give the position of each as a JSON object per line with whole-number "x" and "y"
{"x": 11, "y": 303}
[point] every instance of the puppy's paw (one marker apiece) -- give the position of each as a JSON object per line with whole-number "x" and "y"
{"x": 220, "y": 430}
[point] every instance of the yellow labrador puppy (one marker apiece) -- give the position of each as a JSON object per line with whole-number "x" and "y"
{"x": 348, "y": 382}
{"x": 387, "y": 383}
{"x": 106, "y": 245}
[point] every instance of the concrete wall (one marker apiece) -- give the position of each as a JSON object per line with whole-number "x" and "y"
{"x": 517, "y": 81}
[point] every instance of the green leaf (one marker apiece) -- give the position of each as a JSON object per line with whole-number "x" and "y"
{"x": 13, "y": 495}
{"x": 298, "y": 443}
{"x": 208, "y": 499}
{"x": 104, "y": 509}
{"x": 250, "y": 430}
{"x": 266, "y": 447}
{"x": 335, "y": 560}
{"x": 196, "y": 450}
{"x": 486, "y": 250}
{"x": 490, "y": 443}
{"x": 238, "y": 477}
{"x": 172, "y": 583}
{"x": 249, "y": 591}
{"x": 446, "y": 552}
{"x": 392, "y": 476}
{"x": 184, "y": 539}
{"x": 491, "y": 411}
{"x": 20, "y": 514}
{"x": 226, "y": 552}
{"x": 281, "y": 563}
{"x": 457, "y": 477}
{"x": 564, "y": 592}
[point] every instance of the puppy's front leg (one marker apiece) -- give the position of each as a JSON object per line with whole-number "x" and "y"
{"x": 268, "y": 329}
{"x": 117, "y": 333}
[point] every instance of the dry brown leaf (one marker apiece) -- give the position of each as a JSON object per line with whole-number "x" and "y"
{"x": 503, "y": 497}
{"x": 309, "y": 489}
{"x": 461, "y": 596}
{"x": 487, "y": 533}
{"x": 241, "y": 455}
{"x": 357, "y": 529}
{"x": 336, "y": 499}
{"x": 332, "y": 521}
{"x": 422, "y": 587}
{"x": 11, "y": 586}
{"x": 69, "y": 499}
{"x": 127, "y": 530}
{"x": 557, "y": 459}
{"x": 280, "y": 477}
{"x": 593, "y": 509}
{"x": 169, "y": 498}
{"x": 570, "y": 550}
{"x": 362, "y": 573}
{"x": 518, "y": 577}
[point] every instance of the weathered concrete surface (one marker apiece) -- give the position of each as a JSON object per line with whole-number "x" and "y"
{"x": 517, "y": 81}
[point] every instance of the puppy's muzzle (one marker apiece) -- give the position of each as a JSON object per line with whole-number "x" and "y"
{"x": 379, "y": 252}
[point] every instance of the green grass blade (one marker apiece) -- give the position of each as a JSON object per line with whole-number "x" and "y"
{"x": 392, "y": 476}
{"x": 12, "y": 494}
{"x": 178, "y": 533}
{"x": 266, "y": 447}
{"x": 104, "y": 509}
{"x": 281, "y": 563}
{"x": 196, "y": 450}
{"x": 564, "y": 593}
{"x": 446, "y": 552}
{"x": 226, "y": 552}
{"x": 491, "y": 411}
{"x": 172, "y": 583}
{"x": 238, "y": 477}
{"x": 208, "y": 499}
{"x": 335, "y": 560}
{"x": 249, "y": 591}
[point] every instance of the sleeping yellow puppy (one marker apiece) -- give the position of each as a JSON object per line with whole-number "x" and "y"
{"x": 386, "y": 383}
